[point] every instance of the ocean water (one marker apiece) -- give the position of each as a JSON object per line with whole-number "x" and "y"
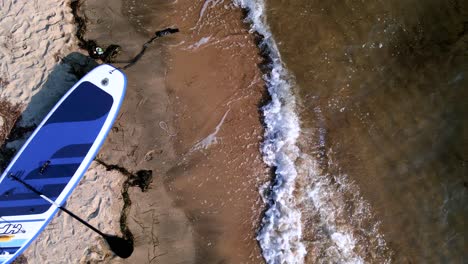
{"x": 366, "y": 130}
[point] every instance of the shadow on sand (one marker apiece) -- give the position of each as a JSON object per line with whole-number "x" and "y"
{"x": 18, "y": 121}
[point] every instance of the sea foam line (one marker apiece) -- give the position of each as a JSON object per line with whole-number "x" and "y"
{"x": 280, "y": 236}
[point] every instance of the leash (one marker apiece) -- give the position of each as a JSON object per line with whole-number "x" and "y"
{"x": 157, "y": 34}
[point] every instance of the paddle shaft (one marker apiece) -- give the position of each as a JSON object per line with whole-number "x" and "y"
{"x": 57, "y": 205}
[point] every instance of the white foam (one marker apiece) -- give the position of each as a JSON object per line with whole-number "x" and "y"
{"x": 343, "y": 241}
{"x": 338, "y": 242}
{"x": 207, "y": 4}
{"x": 281, "y": 234}
{"x": 211, "y": 138}
{"x": 200, "y": 43}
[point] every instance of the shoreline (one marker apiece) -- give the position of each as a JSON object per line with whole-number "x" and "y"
{"x": 191, "y": 116}
{"x": 220, "y": 171}
{"x": 186, "y": 148}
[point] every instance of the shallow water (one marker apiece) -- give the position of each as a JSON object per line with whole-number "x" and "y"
{"x": 381, "y": 91}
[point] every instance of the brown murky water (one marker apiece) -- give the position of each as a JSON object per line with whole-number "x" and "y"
{"x": 383, "y": 98}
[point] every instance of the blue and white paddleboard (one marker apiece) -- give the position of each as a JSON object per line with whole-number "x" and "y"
{"x": 56, "y": 156}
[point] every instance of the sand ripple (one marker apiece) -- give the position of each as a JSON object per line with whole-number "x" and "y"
{"x": 33, "y": 37}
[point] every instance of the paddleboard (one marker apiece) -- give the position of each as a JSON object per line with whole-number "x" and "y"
{"x": 55, "y": 157}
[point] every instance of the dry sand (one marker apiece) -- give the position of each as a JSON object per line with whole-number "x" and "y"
{"x": 33, "y": 38}
{"x": 190, "y": 115}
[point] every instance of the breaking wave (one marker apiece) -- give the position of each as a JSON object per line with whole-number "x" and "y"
{"x": 281, "y": 234}
{"x": 303, "y": 198}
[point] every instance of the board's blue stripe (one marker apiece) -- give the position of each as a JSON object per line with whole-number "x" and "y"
{"x": 12, "y": 243}
{"x": 51, "y": 172}
{"x": 74, "y": 150}
{"x": 30, "y": 209}
{"x": 9, "y": 250}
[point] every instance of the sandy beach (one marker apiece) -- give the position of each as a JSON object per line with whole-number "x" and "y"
{"x": 200, "y": 126}
{"x": 190, "y": 116}
{"x": 346, "y": 119}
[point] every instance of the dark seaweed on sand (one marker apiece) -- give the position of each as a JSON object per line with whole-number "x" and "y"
{"x": 10, "y": 114}
{"x": 108, "y": 54}
{"x": 91, "y": 45}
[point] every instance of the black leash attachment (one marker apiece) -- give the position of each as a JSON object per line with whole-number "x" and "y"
{"x": 165, "y": 32}
{"x": 157, "y": 34}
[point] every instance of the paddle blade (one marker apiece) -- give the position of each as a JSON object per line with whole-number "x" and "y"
{"x": 120, "y": 246}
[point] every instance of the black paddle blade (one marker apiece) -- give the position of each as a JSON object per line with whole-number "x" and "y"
{"x": 120, "y": 246}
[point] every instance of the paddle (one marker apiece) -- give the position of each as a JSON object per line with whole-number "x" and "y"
{"x": 120, "y": 246}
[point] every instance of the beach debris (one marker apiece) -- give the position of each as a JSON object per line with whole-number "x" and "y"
{"x": 108, "y": 54}
{"x": 142, "y": 179}
{"x": 99, "y": 51}
{"x": 94, "y": 50}
{"x": 9, "y": 114}
{"x": 163, "y": 125}
{"x": 3, "y": 83}
{"x": 149, "y": 155}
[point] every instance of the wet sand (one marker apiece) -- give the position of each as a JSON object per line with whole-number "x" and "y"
{"x": 191, "y": 116}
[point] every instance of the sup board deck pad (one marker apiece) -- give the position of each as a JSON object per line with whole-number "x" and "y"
{"x": 55, "y": 157}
